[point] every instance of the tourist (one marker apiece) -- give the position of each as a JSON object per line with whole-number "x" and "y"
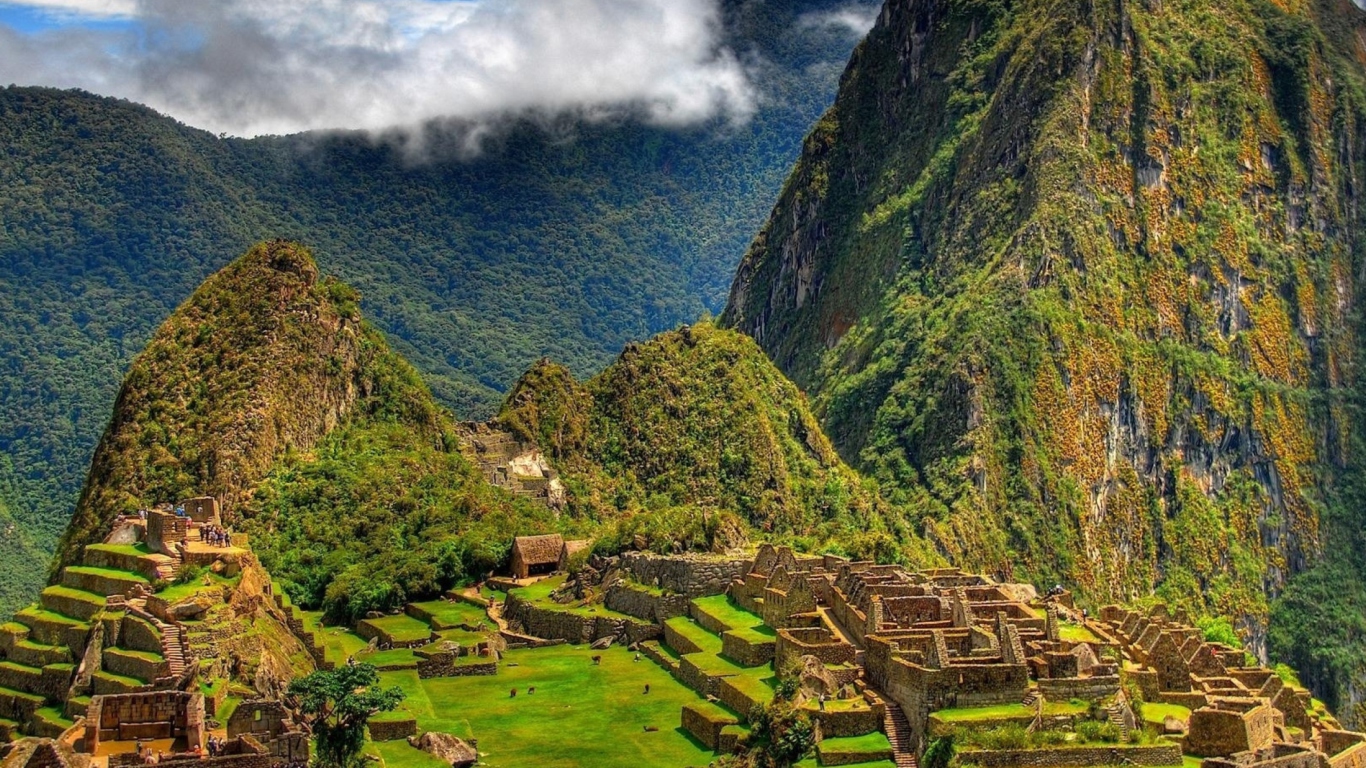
{"x": 637, "y": 658}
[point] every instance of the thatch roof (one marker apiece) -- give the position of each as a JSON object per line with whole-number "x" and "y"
{"x": 538, "y": 550}
{"x": 572, "y": 548}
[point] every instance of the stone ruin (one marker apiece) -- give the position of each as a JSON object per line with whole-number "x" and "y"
{"x": 157, "y": 715}
{"x": 269, "y": 724}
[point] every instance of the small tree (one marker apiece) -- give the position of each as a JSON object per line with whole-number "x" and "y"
{"x": 940, "y": 752}
{"x": 337, "y": 705}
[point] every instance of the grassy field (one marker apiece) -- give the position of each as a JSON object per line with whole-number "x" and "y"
{"x": 1158, "y": 713}
{"x": 453, "y": 614}
{"x": 580, "y": 715}
{"x": 1076, "y": 633}
{"x": 1001, "y": 711}
{"x": 401, "y": 628}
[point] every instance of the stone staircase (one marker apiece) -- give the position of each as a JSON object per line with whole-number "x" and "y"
{"x": 899, "y": 734}
{"x": 1115, "y": 715}
{"x": 1031, "y": 697}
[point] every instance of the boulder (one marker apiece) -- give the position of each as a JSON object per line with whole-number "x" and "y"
{"x": 815, "y": 679}
{"x": 602, "y": 644}
{"x": 446, "y": 748}
{"x": 191, "y": 608}
{"x": 1174, "y": 726}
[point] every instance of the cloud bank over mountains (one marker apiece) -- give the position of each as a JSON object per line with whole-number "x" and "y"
{"x": 253, "y": 67}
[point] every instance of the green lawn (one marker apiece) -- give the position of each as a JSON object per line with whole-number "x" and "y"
{"x": 397, "y": 657}
{"x": 1076, "y": 633}
{"x": 338, "y": 643}
{"x": 453, "y": 614}
{"x": 723, "y": 610}
{"x": 402, "y": 628}
{"x": 581, "y": 714}
{"x": 178, "y": 592}
{"x": 1158, "y": 713}
{"x": 132, "y": 550}
{"x": 1001, "y": 711}
{"x": 871, "y": 743}
{"x": 688, "y": 628}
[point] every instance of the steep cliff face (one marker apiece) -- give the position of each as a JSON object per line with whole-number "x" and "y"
{"x": 1079, "y": 281}
{"x": 263, "y": 358}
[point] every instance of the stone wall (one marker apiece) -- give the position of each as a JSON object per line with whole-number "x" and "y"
{"x": 445, "y": 664}
{"x": 792, "y": 644}
{"x": 705, "y": 721}
{"x": 1219, "y": 732}
{"x": 123, "y": 561}
{"x": 392, "y": 730}
{"x": 1352, "y": 757}
{"x": 693, "y": 575}
{"x": 573, "y": 628}
{"x": 695, "y": 678}
{"x": 138, "y": 634}
{"x": 130, "y": 665}
{"x": 679, "y": 642}
{"x": 1084, "y": 688}
{"x": 371, "y": 631}
{"x": 1066, "y": 757}
{"x": 156, "y": 715}
{"x": 735, "y": 696}
{"x": 746, "y": 649}
{"x": 848, "y": 722}
{"x": 635, "y": 600}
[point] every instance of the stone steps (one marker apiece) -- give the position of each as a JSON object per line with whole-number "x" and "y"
{"x": 899, "y": 734}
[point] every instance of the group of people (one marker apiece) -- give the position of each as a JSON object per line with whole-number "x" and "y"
{"x": 215, "y": 536}
{"x": 215, "y": 746}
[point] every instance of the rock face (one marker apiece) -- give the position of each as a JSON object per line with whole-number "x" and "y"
{"x": 264, "y": 357}
{"x": 1082, "y": 280}
{"x": 447, "y": 748}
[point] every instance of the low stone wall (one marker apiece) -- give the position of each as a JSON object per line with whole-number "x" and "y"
{"x": 733, "y": 739}
{"x": 848, "y": 722}
{"x": 1083, "y": 688}
{"x": 656, "y": 654}
{"x": 392, "y": 730}
{"x": 122, "y": 561}
{"x": 736, "y": 698}
{"x": 705, "y": 721}
{"x": 52, "y": 632}
{"x": 99, "y": 583}
{"x": 138, "y": 634}
{"x": 1073, "y": 757}
{"x": 68, "y": 605}
{"x": 747, "y": 651}
{"x": 19, "y": 707}
{"x": 129, "y": 665}
{"x": 679, "y": 642}
{"x": 371, "y": 631}
{"x": 693, "y": 575}
{"x": 448, "y": 665}
{"x": 573, "y": 628}
{"x": 707, "y": 621}
{"x": 695, "y": 678}
{"x": 1352, "y": 757}
{"x": 49, "y": 682}
{"x": 640, "y": 602}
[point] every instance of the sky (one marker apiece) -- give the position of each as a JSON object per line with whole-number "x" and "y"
{"x": 254, "y": 67}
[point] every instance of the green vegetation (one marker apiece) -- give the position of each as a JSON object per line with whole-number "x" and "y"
{"x": 564, "y": 237}
{"x": 723, "y": 610}
{"x": 700, "y": 440}
{"x": 603, "y": 706}
{"x": 1023, "y": 295}
{"x": 336, "y": 705}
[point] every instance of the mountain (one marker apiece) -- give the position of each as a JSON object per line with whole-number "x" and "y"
{"x": 565, "y": 236}
{"x": 697, "y": 430}
{"x": 1080, "y": 282}
{"x": 360, "y": 492}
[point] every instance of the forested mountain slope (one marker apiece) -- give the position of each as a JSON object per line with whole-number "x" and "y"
{"x": 1081, "y": 281}
{"x": 563, "y": 237}
{"x": 267, "y": 390}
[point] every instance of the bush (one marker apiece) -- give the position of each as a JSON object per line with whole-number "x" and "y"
{"x": 1095, "y": 731}
{"x": 188, "y": 572}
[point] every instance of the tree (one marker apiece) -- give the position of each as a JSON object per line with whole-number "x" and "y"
{"x": 337, "y": 705}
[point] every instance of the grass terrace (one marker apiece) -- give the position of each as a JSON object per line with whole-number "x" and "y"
{"x": 132, "y": 550}
{"x": 581, "y": 714}
{"x": 338, "y": 643}
{"x": 177, "y": 592}
{"x": 1158, "y": 713}
{"x": 539, "y": 593}
{"x": 1076, "y": 633}
{"x": 401, "y": 628}
{"x": 1008, "y": 711}
{"x": 700, "y": 637}
{"x": 445, "y": 615}
{"x": 723, "y": 611}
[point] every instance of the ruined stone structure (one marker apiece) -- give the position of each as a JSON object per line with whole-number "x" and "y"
{"x": 134, "y": 716}
{"x": 269, "y": 724}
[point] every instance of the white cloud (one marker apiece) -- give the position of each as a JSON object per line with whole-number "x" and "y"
{"x": 100, "y": 9}
{"x": 857, "y": 18}
{"x": 250, "y": 67}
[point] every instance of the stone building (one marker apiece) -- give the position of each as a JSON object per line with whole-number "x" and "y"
{"x": 536, "y": 555}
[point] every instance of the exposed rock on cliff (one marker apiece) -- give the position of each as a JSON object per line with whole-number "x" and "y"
{"x": 1080, "y": 278}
